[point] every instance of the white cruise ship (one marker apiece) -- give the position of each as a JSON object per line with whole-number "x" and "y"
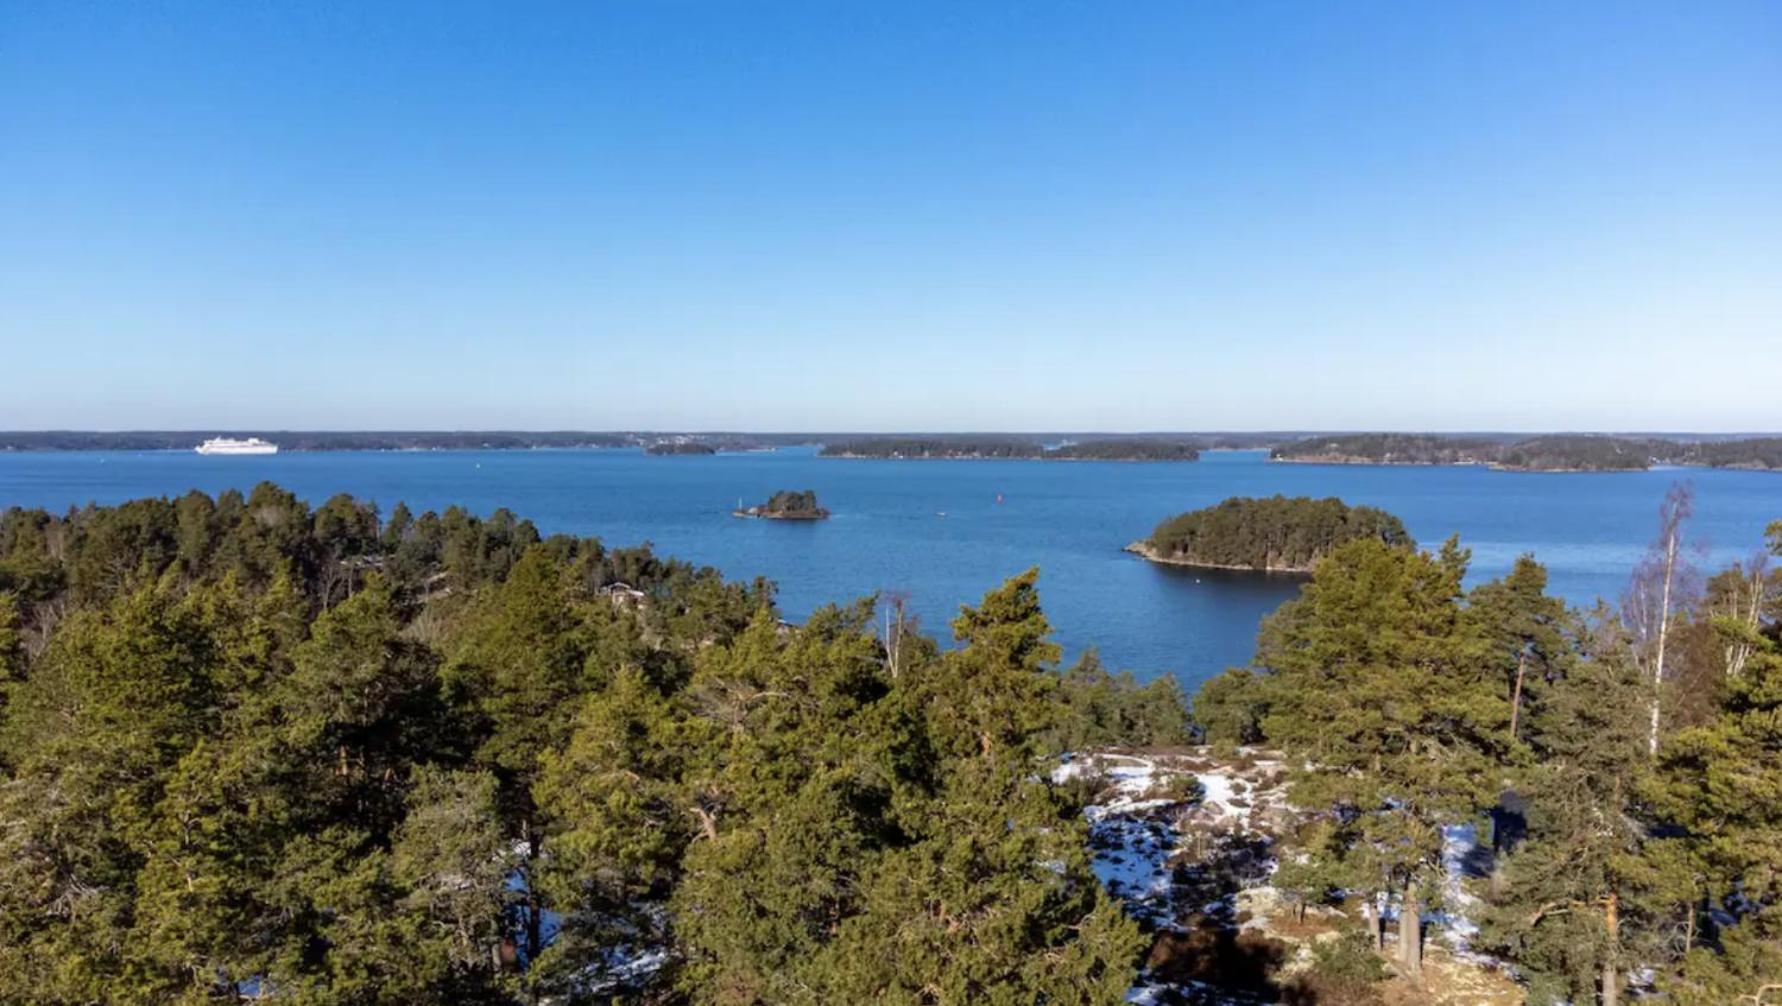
{"x": 225, "y": 445}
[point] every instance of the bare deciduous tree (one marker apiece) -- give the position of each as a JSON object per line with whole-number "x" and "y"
{"x": 899, "y": 626}
{"x": 1662, "y": 585}
{"x": 1737, "y": 602}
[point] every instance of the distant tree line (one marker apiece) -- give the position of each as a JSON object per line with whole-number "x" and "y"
{"x": 251, "y": 750}
{"x": 1386, "y": 448}
{"x": 1125, "y": 450}
{"x": 680, "y": 447}
{"x": 1624, "y": 766}
{"x": 1270, "y": 533}
{"x": 1758, "y": 452}
{"x": 1556, "y": 452}
{"x": 1583, "y": 453}
{"x": 915, "y": 448}
{"x": 1105, "y": 449}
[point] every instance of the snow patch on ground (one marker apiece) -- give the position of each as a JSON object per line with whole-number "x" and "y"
{"x": 622, "y": 967}
{"x": 1152, "y": 827}
{"x": 1218, "y": 790}
{"x": 1460, "y": 851}
{"x": 1130, "y": 836}
{"x": 1159, "y": 993}
{"x": 1186, "y": 838}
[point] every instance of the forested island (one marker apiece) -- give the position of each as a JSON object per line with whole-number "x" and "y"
{"x": 920, "y": 448}
{"x": 1551, "y": 452}
{"x": 251, "y": 749}
{"x": 1754, "y": 453}
{"x": 787, "y": 504}
{"x": 1582, "y": 454}
{"x": 1385, "y": 449}
{"x": 961, "y": 448}
{"x": 1272, "y": 534}
{"x": 680, "y": 448}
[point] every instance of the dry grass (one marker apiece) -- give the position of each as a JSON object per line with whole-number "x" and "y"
{"x": 1449, "y": 981}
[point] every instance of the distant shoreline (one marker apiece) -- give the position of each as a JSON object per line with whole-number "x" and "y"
{"x": 991, "y": 457}
{"x": 1516, "y": 469}
{"x": 1568, "y": 453}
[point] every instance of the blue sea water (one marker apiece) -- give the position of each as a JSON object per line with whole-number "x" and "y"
{"x": 943, "y": 532}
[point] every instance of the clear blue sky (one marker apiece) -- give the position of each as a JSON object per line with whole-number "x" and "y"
{"x": 851, "y": 215}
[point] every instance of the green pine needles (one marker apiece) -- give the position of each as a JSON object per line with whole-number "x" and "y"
{"x": 252, "y": 750}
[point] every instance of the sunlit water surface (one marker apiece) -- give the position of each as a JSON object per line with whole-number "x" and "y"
{"x": 943, "y": 532}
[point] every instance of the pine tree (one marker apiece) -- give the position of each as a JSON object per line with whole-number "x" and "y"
{"x": 92, "y": 735}
{"x": 12, "y": 640}
{"x": 789, "y": 801}
{"x": 1102, "y": 709}
{"x": 1519, "y": 632}
{"x": 1229, "y": 708}
{"x": 1722, "y": 783}
{"x": 449, "y": 864}
{"x": 618, "y": 819}
{"x": 1566, "y": 906}
{"x": 993, "y": 901}
{"x": 1370, "y": 685}
{"x": 521, "y": 662}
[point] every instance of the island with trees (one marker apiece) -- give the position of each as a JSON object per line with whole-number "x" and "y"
{"x": 1386, "y": 449}
{"x": 1577, "y": 453}
{"x": 1752, "y": 454}
{"x": 787, "y": 504}
{"x": 933, "y": 448}
{"x": 680, "y": 448}
{"x": 1571, "y": 452}
{"x": 1271, "y": 534}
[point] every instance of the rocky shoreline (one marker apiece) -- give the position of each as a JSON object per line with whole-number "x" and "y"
{"x": 760, "y": 514}
{"x": 1143, "y": 550}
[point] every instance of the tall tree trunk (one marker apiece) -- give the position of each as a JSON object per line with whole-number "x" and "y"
{"x": 1611, "y": 975}
{"x": 534, "y": 929}
{"x": 1410, "y": 932}
{"x": 1516, "y": 697}
{"x": 1664, "y": 629}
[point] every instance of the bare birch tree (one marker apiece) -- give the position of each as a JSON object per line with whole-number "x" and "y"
{"x": 1661, "y": 586}
{"x": 1736, "y": 603}
{"x": 900, "y": 625}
